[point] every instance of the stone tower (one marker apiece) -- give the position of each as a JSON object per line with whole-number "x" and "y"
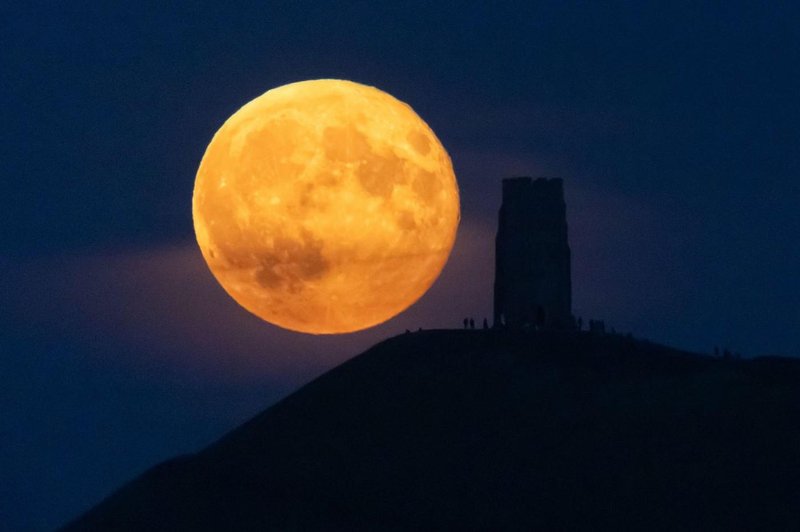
{"x": 532, "y": 284}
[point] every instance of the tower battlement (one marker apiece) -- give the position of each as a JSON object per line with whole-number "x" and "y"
{"x": 540, "y": 185}
{"x": 533, "y": 285}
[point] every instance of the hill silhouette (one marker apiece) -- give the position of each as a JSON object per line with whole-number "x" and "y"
{"x": 496, "y": 430}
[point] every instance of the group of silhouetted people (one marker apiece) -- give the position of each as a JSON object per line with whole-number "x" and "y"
{"x": 726, "y": 353}
{"x": 469, "y": 323}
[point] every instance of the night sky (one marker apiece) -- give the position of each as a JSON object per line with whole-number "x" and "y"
{"x": 674, "y": 127}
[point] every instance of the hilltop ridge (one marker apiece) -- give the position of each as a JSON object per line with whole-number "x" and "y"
{"x": 491, "y": 429}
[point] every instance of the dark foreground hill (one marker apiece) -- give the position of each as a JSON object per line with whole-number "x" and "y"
{"x": 492, "y": 430}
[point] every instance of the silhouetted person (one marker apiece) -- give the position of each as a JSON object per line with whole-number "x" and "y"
{"x": 471, "y": 323}
{"x": 597, "y": 326}
{"x": 485, "y": 323}
{"x": 466, "y": 323}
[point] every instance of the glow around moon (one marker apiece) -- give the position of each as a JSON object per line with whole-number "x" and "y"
{"x": 325, "y": 206}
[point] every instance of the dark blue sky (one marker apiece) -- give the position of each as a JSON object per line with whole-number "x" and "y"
{"x": 673, "y": 124}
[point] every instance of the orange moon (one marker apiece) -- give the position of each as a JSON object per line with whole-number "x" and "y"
{"x": 325, "y": 206}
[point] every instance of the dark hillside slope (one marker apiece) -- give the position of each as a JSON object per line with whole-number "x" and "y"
{"x": 493, "y": 430}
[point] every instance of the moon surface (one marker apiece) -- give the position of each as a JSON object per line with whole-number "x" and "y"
{"x": 325, "y": 206}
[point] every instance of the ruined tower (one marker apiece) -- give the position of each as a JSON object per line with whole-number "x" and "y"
{"x": 532, "y": 285}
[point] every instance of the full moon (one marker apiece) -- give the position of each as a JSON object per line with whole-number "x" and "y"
{"x": 325, "y": 206}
